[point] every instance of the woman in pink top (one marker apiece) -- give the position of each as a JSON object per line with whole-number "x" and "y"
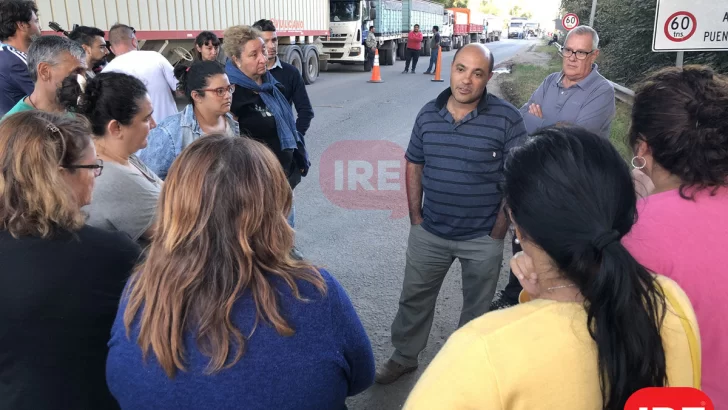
{"x": 680, "y": 138}
{"x": 412, "y": 53}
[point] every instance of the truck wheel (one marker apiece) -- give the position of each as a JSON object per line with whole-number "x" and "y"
{"x": 292, "y": 55}
{"x": 296, "y": 61}
{"x": 401, "y": 48}
{"x": 310, "y": 65}
{"x": 390, "y": 56}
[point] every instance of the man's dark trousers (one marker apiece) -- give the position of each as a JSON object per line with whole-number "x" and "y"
{"x": 413, "y": 56}
{"x": 513, "y": 288}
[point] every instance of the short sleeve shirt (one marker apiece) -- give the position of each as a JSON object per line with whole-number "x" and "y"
{"x": 124, "y": 199}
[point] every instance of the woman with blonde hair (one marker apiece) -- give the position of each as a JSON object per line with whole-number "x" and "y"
{"x": 60, "y": 280}
{"x": 219, "y": 315}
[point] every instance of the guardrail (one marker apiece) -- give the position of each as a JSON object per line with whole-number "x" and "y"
{"x": 621, "y": 92}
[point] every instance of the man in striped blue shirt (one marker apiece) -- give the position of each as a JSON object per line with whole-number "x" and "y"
{"x": 455, "y": 158}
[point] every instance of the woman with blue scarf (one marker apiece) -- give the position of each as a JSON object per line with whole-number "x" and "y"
{"x": 259, "y": 106}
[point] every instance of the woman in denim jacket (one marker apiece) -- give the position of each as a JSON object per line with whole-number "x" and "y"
{"x": 210, "y": 94}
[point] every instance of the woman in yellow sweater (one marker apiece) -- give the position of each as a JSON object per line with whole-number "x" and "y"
{"x": 593, "y": 326}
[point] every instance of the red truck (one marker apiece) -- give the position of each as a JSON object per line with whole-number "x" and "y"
{"x": 467, "y": 26}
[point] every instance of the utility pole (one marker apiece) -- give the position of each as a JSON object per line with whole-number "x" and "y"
{"x": 593, "y": 12}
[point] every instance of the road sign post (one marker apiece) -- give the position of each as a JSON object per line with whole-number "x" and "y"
{"x": 593, "y": 12}
{"x": 570, "y": 21}
{"x": 690, "y": 25}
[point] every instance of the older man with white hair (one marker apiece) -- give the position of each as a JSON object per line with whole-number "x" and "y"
{"x": 578, "y": 94}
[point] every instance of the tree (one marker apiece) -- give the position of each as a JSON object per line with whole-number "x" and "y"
{"x": 453, "y": 3}
{"x": 517, "y": 11}
{"x": 490, "y": 7}
{"x": 625, "y": 30}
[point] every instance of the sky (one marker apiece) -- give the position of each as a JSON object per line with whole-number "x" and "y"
{"x": 544, "y": 11}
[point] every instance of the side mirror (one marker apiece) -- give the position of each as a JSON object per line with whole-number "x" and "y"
{"x": 372, "y": 14}
{"x": 372, "y": 4}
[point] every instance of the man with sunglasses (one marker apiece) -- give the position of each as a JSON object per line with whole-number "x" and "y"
{"x": 576, "y": 95}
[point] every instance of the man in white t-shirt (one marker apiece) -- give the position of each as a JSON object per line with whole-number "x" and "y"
{"x": 149, "y": 66}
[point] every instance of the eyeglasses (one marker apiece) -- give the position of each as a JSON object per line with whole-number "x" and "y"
{"x": 98, "y": 167}
{"x": 221, "y": 91}
{"x": 580, "y": 55}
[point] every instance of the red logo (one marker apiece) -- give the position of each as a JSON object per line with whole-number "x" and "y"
{"x": 669, "y": 398}
{"x": 365, "y": 175}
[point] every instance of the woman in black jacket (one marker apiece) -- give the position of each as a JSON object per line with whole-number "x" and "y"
{"x": 259, "y": 105}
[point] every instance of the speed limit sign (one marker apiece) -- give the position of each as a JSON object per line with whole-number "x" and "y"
{"x": 570, "y": 21}
{"x": 680, "y": 26}
{"x": 690, "y": 25}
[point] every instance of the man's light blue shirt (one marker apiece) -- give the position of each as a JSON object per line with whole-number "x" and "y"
{"x": 589, "y": 103}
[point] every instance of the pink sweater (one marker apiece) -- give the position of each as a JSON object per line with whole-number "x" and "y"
{"x": 688, "y": 242}
{"x": 414, "y": 40}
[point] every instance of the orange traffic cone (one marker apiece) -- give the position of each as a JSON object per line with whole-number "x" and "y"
{"x": 376, "y": 76}
{"x": 438, "y": 67}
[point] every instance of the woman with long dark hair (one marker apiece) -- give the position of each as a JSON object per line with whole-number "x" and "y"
{"x": 593, "y": 326}
{"x": 680, "y": 139}
{"x": 209, "y": 94}
{"x": 219, "y": 315}
{"x": 207, "y": 46}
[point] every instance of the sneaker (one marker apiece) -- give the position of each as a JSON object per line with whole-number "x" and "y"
{"x": 405, "y": 71}
{"x": 296, "y": 254}
{"x": 413, "y": 71}
{"x": 391, "y": 371}
{"x": 427, "y": 73}
{"x": 500, "y": 302}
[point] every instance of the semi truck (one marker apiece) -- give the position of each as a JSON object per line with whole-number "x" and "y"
{"x": 468, "y": 26}
{"x": 494, "y": 28}
{"x": 392, "y": 19}
{"x": 516, "y": 27}
{"x": 170, "y": 27}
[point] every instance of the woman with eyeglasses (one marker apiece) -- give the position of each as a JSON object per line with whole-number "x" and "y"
{"x": 120, "y": 112}
{"x": 210, "y": 95}
{"x": 60, "y": 279}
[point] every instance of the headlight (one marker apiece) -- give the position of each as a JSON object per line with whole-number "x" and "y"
{"x": 356, "y": 49}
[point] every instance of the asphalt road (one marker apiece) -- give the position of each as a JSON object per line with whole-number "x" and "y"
{"x": 351, "y": 233}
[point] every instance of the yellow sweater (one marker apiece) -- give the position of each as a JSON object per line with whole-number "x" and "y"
{"x": 539, "y": 356}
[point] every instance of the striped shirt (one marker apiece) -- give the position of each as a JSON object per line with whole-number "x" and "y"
{"x": 463, "y": 164}
{"x": 15, "y": 82}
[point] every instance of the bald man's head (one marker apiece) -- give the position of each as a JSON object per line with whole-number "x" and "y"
{"x": 471, "y": 70}
{"x": 481, "y": 48}
{"x": 122, "y": 39}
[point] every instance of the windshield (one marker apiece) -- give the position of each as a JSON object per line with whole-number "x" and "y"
{"x": 345, "y": 11}
{"x": 516, "y": 24}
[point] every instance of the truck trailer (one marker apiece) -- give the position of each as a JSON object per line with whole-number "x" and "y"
{"x": 494, "y": 28}
{"x": 170, "y": 27}
{"x": 392, "y": 19}
{"x": 468, "y": 26}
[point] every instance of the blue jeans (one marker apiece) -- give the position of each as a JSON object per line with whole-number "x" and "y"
{"x": 292, "y": 215}
{"x": 433, "y": 60}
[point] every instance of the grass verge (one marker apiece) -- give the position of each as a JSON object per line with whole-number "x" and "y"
{"x": 524, "y": 79}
